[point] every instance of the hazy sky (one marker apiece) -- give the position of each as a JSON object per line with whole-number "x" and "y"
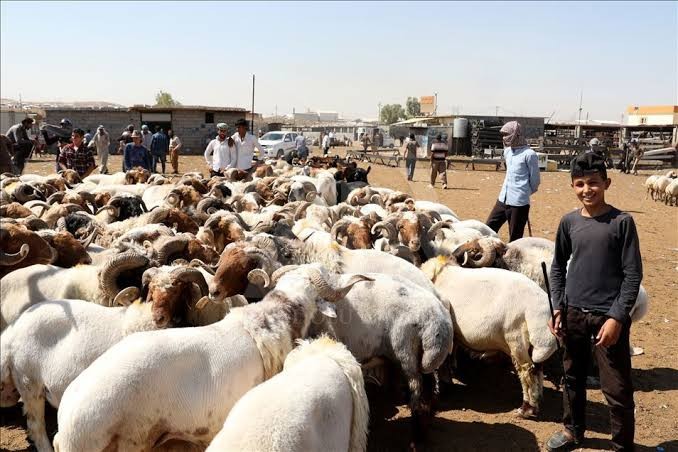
{"x": 527, "y": 58}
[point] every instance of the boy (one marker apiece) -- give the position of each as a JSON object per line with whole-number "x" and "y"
{"x": 592, "y": 298}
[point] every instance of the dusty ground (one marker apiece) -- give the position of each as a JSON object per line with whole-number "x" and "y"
{"x": 479, "y": 415}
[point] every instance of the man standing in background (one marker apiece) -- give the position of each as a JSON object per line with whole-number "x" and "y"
{"x": 174, "y": 148}
{"x": 439, "y": 161}
{"x": 521, "y": 181}
{"x": 101, "y": 141}
{"x": 159, "y": 149}
{"x": 245, "y": 143}
{"x": 146, "y": 136}
{"x": 21, "y": 143}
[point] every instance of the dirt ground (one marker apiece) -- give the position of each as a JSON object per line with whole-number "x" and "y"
{"x": 479, "y": 415}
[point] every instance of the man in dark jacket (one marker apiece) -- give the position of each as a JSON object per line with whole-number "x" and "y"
{"x": 21, "y": 144}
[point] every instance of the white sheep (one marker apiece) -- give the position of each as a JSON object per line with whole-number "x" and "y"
{"x": 671, "y": 193}
{"x": 659, "y": 187}
{"x": 51, "y": 344}
{"x": 181, "y": 383}
{"x": 320, "y": 404}
{"x": 649, "y": 185}
{"x": 499, "y": 310}
{"x": 393, "y": 318}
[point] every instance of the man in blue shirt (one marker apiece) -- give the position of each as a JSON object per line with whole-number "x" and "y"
{"x": 159, "y": 149}
{"x": 135, "y": 154}
{"x": 521, "y": 181}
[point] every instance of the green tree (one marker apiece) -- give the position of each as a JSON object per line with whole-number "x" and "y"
{"x": 163, "y": 99}
{"x": 391, "y": 113}
{"x": 413, "y": 107}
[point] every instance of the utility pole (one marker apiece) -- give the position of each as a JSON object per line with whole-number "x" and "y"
{"x": 435, "y": 107}
{"x": 581, "y": 97}
{"x": 252, "y": 124}
{"x": 379, "y": 115}
{"x": 496, "y": 111}
{"x": 276, "y": 111}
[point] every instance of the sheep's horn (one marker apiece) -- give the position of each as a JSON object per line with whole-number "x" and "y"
{"x": 266, "y": 243}
{"x": 90, "y": 238}
{"x": 56, "y": 197}
{"x": 281, "y": 271}
{"x": 259, "y": 277}
{"x": 388, "y": 228}
{"x": 112, "y": 210}
{"x": 126, "y": 296}
{"x": 263, "y": 226}
{"x": 204, "y": 266}
{"x": 170, "y": 246}
{"x": 13, "y": 259}
{"x": 193, "y": 275}
{"x": 328, "y": 292}
{"x": 119, "y": 263}
{"x": 339, "y": 228}
{"x": 158, "y": 214}
{"x": 301, "y": 210}
{"x": 173, "y": 199}
{"x": 311, "y": 195}
{"x": 433, "y": 231}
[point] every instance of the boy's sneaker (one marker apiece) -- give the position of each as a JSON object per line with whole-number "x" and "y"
{"x": 429, "y": 186}
{"x": 562, "y": 441}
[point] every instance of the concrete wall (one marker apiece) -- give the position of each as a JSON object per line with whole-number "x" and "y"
{"x": 114, "y": 121}
{"x": 189, "y": 125}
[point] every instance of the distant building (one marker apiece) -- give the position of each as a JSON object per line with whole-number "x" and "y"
{"x": 328, "y": 116}
{"x": 656, "y": 115}
{"x": 308, "y": 116}
{"x": 194, "y": 124}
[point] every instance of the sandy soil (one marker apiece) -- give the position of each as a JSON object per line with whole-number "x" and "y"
{"x": 479, "y": 415}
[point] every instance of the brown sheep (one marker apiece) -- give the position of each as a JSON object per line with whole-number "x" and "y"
{"x": 14, "y": 210}
{"x": 137, "y": 175}
{"x": 70, "y": 251}
{"x": 240, "y": 264}
{"x": 13, "y": 240}
{"x": 182, "y": 221}
{"x": 263, "y": 171}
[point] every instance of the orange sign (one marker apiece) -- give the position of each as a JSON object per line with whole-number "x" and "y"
{"x": 427, "y": 100}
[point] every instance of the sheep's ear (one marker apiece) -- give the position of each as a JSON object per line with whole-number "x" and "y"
{"x": 126, "y": 296}
{"x": 327, "y": 309}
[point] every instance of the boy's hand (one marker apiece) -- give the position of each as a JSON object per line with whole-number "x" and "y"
{"x": 609, "y": 333}
{"x": 555, "y": 325}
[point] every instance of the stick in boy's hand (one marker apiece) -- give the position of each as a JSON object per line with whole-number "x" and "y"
{"x": 554, "y": 322}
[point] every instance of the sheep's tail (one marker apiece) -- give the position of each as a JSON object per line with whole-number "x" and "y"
{"x": 436, "y": 343}
{"x": 339, "y": 353}
{"x": 544, "y": 344}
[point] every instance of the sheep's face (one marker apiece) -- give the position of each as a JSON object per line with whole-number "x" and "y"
{"x": 101, "y": 199}
{"x": 15, "y": 210}
{"x": 409, "y": 231}
{"x": 165, "y": 294}
{"x": 71, "y": 177}
{"x": 358, "y": 236}
{"x": 137, "y": 176}
{"x": 231, "y": 275}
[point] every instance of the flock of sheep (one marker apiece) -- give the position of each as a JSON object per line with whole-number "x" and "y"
{"x": 250, "y": 312}
{"x": 663, "y": 187}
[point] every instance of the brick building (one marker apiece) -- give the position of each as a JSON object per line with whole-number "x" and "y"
{"x": 195, "y": 125}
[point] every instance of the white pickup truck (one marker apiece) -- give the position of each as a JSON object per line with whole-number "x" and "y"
{"x": 278, "y": 144}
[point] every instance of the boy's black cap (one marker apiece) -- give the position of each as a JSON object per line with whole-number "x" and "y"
{"x": 588, "y": 163}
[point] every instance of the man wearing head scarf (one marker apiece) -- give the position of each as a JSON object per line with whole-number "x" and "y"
{"x": 101, "y": 141}
{"x": 521, "y": 181}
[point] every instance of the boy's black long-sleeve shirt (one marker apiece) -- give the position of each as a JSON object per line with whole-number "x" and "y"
{"x": 606, "y": 269}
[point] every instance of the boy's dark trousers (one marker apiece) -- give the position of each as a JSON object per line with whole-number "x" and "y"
{"x": 515, "y": 215}
{"x": 614, "y": 363}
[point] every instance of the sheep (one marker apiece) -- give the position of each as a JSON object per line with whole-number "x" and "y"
{"x": 499, "y": 310}
{"x": 393, "y": 318}
{"x": 320, "y": 404}
{"x": 649, "y": 185}
{"x": 51, "y": 343}
{"x": 659, "y": 187}
{"x": 523, "y": 255}
{"x": 197, "y": 374}
{"x": 136, "y": 175}
{"x": 98, "y": 284}
{"x": 671, "y": 193}
{"x": 70, "y": 251}
{"x": 314, "y": 246}
{"x": 21, "y": 248}
{"x": 446, "y": 236}
{"x": 354, "y": 233}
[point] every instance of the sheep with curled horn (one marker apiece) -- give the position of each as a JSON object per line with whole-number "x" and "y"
{"x": 183, "y": 246}
{"x": 244, "y": 349}
{"x": 363, "y": 196}
{"x": 411, "y": 230}
{"x": 98, "y": 284}
{"x": 355, "y": 233}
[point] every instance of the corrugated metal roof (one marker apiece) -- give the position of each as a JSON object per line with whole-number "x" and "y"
{"x": 185, "y": 107}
